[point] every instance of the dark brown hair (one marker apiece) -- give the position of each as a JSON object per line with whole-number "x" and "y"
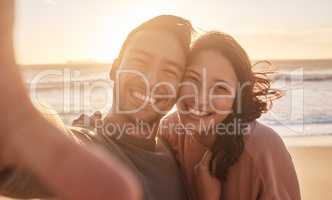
{"x": 175, "y": 25}
{"x": 255, "y": 98}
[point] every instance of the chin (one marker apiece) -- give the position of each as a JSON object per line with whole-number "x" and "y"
{"x": 201, "y": 124}
{"x": 145, "y": 116}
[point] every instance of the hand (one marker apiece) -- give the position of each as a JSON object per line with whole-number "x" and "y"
{"x": 6, "y": 31}
{"x": 15, "y": 104}
{"x": 208, "y": 187}
{"x": 6, "y": 57}
{"x": 6, "y": 16}
{"x": 88, "y": 122}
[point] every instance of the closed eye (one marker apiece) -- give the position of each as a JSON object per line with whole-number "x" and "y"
{"x": 193, "y": 79}
{"x": 138, "y": 63}
{"x": 170, "y": 72}
{"x": 221, "y": 89}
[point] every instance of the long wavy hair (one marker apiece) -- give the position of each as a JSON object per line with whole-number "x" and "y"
{"x": 255, "y": 98}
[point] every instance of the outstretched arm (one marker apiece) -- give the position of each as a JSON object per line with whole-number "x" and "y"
{"x": 20, "y": 183}
{"x": 29, "y": 140}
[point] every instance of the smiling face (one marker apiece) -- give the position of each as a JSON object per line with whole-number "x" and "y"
{"x": 208, "y": 92}
{"x": 148, "y": 74}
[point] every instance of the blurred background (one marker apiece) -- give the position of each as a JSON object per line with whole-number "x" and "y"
{"x": 75, "y": 42}
{"x": 65, "y": 49}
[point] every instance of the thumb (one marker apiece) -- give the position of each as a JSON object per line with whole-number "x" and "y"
{"x": 97, "y": 115}
{"x": 206, "y": 158}
{"x": 204, "y": 164}
{"x": 203, "y": 167}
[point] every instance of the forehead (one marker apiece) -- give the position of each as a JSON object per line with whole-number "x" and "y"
{"x": 217, "y": 66}
{"x": 159, "y": 44}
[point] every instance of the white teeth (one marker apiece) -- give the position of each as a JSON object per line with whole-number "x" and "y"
{"x": 139, "y": 96}
{"x": 197, "y": 112}
{"x": 144, "y": 98}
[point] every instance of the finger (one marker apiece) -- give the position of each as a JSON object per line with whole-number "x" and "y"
{"x": 98, "y": 119}
{"x": 74, "y": 122}
{"x": 93, "y": 119}
{"x": 203, "y": 166}
{"x": 206, "y": 158}
{"x": 84, "y": 116}
{"x": 78, "y": 122}
{"x": 81, "y": 119}
{"x": 203, "y": 158}
{"x": 98, "y": 114}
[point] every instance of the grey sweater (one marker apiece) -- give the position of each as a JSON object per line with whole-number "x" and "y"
{"x": 156, "y": 169}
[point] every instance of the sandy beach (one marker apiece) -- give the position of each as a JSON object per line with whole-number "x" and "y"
{"x": 312, "y": 157}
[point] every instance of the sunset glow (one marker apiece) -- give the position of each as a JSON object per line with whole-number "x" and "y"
{"x": 55, "y": 31}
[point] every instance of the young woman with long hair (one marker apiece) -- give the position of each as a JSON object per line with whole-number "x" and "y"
{"x": 224, "y": 153}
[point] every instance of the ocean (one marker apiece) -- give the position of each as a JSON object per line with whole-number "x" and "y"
{"x": 306, "y": 108}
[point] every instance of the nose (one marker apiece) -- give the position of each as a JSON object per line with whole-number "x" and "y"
{"x": 203, "y": 100}
{"x": 153, "y": 79}
{"x": 155, "y": 76}
{"x": 158, "y": 85}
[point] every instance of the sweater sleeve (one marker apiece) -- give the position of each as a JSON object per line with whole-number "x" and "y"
{"x": 276, "y": 170}
{"x": 17, "y": 182}
{"x": 20, "y": 183}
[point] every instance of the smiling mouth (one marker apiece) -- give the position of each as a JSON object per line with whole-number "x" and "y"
{"x": 195, "y": 113}
{"x": 141, "y": 97}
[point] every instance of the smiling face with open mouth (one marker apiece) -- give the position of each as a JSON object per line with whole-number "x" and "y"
{"x": 208, "y": 94}
{"x": 142, "y": 99}
{"x": 148, "y": 75}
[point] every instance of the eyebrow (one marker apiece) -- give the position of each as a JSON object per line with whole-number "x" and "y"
{"x": 222, "y": 81}
{"x": 175, "y": 65}
{"x": 167, "y": 61}
{"x": 196, "y": 74}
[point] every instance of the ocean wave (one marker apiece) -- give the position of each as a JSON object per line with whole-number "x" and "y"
{"x": 310, "y": 119}
{"x": 52, "y": 85}
{"x": 303, "y": 77}
{"x": 58, "y": 84}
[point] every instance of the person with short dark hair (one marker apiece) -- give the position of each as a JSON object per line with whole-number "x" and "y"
{"x": 157, "y": 51}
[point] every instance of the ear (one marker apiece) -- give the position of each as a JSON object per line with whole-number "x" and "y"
{"x": 114, "y": 69}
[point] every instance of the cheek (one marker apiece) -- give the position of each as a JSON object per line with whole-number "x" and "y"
{"x": 128, "y": 79}
{"x": 168, "y": 89}
{"x": 188, "y": 91}
{"x": 183, "y": 92}
{"x": 224, "y": 105}
{"x": 186, "y": 96}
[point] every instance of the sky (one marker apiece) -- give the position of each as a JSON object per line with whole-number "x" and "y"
{"x": 57, "y": 31}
